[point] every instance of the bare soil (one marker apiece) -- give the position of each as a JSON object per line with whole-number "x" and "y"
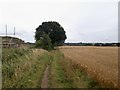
{"x": 44, "y": 83}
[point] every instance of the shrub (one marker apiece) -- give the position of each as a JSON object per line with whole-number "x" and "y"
{"x": 44, "y": 42}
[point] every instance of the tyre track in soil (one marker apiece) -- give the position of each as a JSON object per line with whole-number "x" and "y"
{"x": 45, "y": 81}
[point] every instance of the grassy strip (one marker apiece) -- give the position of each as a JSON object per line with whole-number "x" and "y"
{"x": 10, "y": 63}
{"x": 23, "y": 71}
{"x": 32, "y": 78}
{"x": 76, "y": 75}
{"x": 66, "y": 74}
{"x": 57, "y": 78}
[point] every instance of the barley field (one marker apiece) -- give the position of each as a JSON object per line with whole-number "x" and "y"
{"x": 37, "y": 68}
{"x": 66, "y": 67}
{"x": 101, "y": 63}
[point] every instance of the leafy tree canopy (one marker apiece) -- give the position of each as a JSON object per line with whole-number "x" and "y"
{"x": 54, "y": 30}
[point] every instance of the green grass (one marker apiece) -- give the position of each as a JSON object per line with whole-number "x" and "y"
{"x": 75, "y": 74}
{"x": 57, "y": 78}
{"x": 24, "y": 68}
{"x": 66, "y": 74}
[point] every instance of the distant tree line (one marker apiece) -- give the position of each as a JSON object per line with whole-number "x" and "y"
{"x": 92, "y": 44}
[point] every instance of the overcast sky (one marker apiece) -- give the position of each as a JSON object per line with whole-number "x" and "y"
{"x": 83, "y": 20}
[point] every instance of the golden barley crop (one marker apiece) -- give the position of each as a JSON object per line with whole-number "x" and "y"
{"x": 101, "y": 63}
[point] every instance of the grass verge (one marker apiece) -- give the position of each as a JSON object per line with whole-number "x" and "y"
{"x": 23, "y": 68}
{"x": 66, "y": 74}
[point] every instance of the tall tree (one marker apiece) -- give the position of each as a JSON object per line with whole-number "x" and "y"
{"x": 54, "y": 30}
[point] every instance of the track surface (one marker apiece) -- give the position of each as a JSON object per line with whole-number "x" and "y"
{"x": 44, "y": 83}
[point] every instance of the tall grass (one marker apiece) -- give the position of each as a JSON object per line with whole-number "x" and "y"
{"x": 57, "y": 78}
{"x": 75, "y": 74}
{"x": 23, "y": 68}
{"x": 66, "y": 74}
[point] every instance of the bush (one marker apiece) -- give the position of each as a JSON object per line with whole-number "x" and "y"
{"x": 44, "y": 42}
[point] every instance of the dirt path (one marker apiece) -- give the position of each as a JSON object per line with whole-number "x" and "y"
{"x": 44, "y": 83}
